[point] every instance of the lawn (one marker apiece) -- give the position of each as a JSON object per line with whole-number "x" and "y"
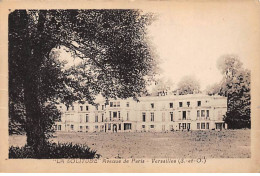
{"x": 192, "y": 144}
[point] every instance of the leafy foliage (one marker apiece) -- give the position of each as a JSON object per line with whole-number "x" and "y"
{"x": 235, "y": 85}
{"x": 54, "y": 150}
{"x": 188, "y": 85}
{"x": 162, "y": 87}
{"x": 117, "y": 61}
{"x": 213, "y": 89}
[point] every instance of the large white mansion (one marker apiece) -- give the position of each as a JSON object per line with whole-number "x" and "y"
{"x": 158, "y": 113}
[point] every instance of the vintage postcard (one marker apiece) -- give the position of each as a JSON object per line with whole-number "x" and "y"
{"x": 130, "y": 86}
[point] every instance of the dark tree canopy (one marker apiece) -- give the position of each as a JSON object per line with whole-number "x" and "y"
{"x": 117, "y": 61}
{"x": 235, "y": 85}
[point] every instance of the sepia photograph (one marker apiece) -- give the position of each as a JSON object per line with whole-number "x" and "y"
{"x": 132, "y": 85}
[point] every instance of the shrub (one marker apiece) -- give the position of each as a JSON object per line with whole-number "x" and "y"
{"x": 55, "y": 150}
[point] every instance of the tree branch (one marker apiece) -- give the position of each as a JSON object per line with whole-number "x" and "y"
{"x": 86, "y": 53}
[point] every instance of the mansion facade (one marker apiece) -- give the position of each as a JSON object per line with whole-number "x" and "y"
{"x": 157, "y": 114}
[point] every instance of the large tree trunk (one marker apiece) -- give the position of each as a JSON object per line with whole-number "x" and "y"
{"x": 35, "y": 129}
{"x": 34, "y": 126}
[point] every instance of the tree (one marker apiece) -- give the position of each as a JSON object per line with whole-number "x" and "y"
{"x": 162, "y": 86}
{"x": 188, "y": 85}
{"x": 115, "y": 53}
{"x": 235, "y": 85}
{"x": 213, "y": 89}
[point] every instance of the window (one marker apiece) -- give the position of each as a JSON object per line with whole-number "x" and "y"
{"x": 80, "y": 128}
{"x": 109, "y": 126}
{"x": 96, "y": 127}
{"x": 97, "y": 107}
{"x": 87, "y": 118}
{"x": 180, "y": 104}
{"x": 188, "y": 103}
{"x": 171, "y": 105}
{"x": 96, "y": 118}
{"x": 114, "y": 104}
{"x": 102, "y": 107}
{"x": 110, "y": 115}
{"x": 114, "y": 114}
{"x": 68, "y": 108}
{"x": 102, "y": 119}
{"x": 202, "y": 113}
{"x": 59, "y": 127}
{"x": 81, "y": 108}
{"x": 207, "y": 113}
{"x": 152, "y": 105}
{"x": 184, "y": 125}
{"x": 72, "y": 127}
{"x": 127, "y": 115}
{"x": 118, "y": 104}
{"x": 143, "y": 116}
{"x": 152, "y": 116}
{"x": 143, "y": 126}
{"x": 198, "y": 126}
{"x": 119, "y": 126}
{"x": 127, "y": 104}
{"x": 207, "y": 126}
{"x": 86, "y": 108}
{"x": 60, "y": 107}
{"x": 198, "y": 113}
{"x": 118, "y": 115}
{"x": 127, "y": 126}
{"x": 183, "y": 115}
{"x": 198, "y": 103}
{"x": 86, "y": 127}
{"x": 188, "y": 126}
{"x": 171, "y": 114}
{"x": 152, "y": 126}
{"x": 111, "y": 104}
{"x": 202, "y": 125}
{"x": 72, "y": 107}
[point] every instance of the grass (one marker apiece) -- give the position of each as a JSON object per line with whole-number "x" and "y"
{"x": 193, "y": 144}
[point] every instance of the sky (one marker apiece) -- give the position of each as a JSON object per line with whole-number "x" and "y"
{"x": 189, "y": 40}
